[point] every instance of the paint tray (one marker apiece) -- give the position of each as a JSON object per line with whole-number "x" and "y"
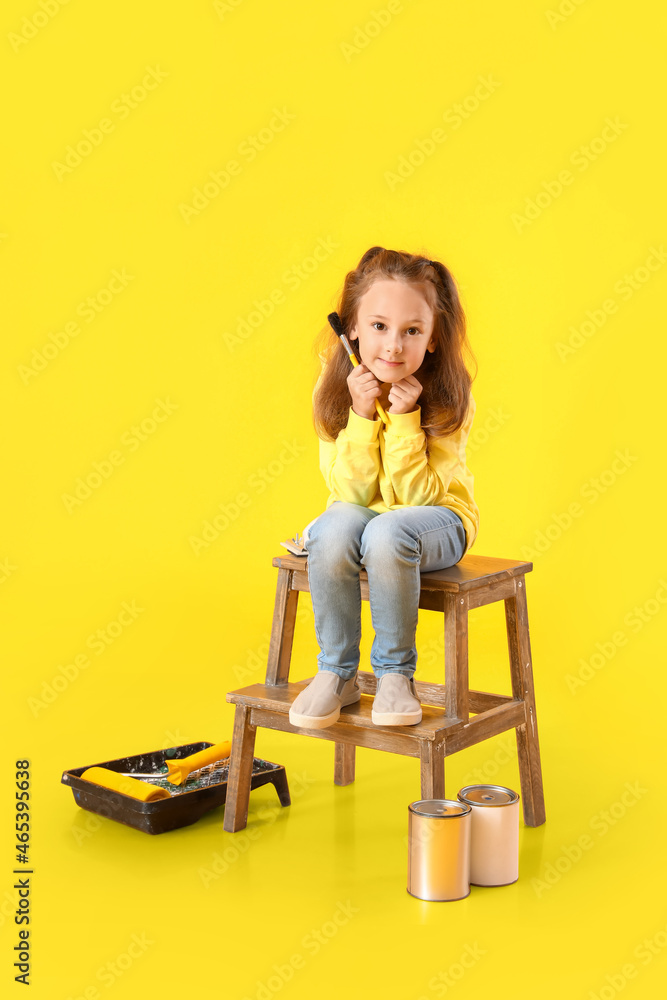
{"x": 204, "y": 790}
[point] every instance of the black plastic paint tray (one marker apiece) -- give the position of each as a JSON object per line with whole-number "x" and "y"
{"x": 205, "y": 790}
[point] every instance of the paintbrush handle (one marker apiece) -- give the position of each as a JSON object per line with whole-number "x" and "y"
{"x": 351, "y": 355}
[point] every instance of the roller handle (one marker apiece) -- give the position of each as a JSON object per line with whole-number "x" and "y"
{"x": 178, "y": 770}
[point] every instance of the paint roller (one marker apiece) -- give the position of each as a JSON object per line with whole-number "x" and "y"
{"x": 178, "y": 772}
{"x": 337, "y": 327}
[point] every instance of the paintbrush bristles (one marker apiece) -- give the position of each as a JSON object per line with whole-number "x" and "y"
{"x": 337, "y": 326}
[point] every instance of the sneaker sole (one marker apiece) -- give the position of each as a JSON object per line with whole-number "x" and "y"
{"x": 396, "y": 718}
{"x": 320, "y": 721}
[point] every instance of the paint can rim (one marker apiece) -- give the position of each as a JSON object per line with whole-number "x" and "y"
{"x": 439, "y": 808}
{"x": 494, "y": 796}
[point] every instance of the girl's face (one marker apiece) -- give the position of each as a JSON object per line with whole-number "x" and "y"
{"x": 394, "y": 327}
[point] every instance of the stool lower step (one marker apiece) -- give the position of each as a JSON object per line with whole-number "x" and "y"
{"x": 278, "y": 698}
{"x": 270, "y": 704}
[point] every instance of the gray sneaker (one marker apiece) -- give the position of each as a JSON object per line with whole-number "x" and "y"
{"x": 396, "y": 702}
{"x": 319, "y": 704}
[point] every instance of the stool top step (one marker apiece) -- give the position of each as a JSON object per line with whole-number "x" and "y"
{"x": 469, "y": 573}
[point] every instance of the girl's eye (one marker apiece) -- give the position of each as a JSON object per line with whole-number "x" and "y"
{"x": 380, "y": 323}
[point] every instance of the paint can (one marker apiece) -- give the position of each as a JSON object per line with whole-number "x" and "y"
{"x": 439, "y": 849}
{"x": 494, "y": 838}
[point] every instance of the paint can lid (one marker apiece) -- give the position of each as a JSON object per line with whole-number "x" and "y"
{"x": 488, "y": 795}
{"x": 441, "y": 808}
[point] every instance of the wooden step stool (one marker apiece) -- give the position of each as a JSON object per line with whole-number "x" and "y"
{"x": 446, "y": 726}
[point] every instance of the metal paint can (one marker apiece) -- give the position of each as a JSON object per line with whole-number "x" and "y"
{"x": 494, "y": 839}
{"x": 439, "y": 849}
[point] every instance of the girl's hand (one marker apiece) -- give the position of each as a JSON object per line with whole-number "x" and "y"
{"x": 403, "y": 395}
{"x": 364, "y": 389}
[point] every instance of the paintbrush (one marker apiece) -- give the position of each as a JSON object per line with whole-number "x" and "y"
{"x": 337, "y": 327}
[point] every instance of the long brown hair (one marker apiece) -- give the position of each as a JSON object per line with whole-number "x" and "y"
{"x": 443, "y": 374}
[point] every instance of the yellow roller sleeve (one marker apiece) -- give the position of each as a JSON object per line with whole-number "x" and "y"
{"x": 180, "y": 769}
{"x": 128, "y": 786}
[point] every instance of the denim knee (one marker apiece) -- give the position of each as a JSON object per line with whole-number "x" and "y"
{"x": 387, "y": 539}
{"x": 334, "y": 537}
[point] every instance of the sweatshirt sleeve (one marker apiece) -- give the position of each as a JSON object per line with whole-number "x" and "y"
{"x": 420, "y": 476}
{"x": 350, "y": 464}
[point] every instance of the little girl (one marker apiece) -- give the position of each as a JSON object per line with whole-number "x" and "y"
{"x": 401, "y": 498}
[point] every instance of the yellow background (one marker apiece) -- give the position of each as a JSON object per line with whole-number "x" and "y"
{"x": 363, "y": 94}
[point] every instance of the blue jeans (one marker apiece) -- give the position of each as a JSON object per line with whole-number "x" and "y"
{"x": 393, "y": 547}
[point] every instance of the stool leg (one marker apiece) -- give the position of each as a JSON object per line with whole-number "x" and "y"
{"x": 282, "y": 629}
{"x": 456, "y": 656}
{"x": 240, "y": 771}
{"x": 344, "y": 755}
{"x": 432, "y": 756}
{"x": 527, "y": 742}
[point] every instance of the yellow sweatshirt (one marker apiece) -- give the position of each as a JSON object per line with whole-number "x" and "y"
{"x": 385, "y": 467}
